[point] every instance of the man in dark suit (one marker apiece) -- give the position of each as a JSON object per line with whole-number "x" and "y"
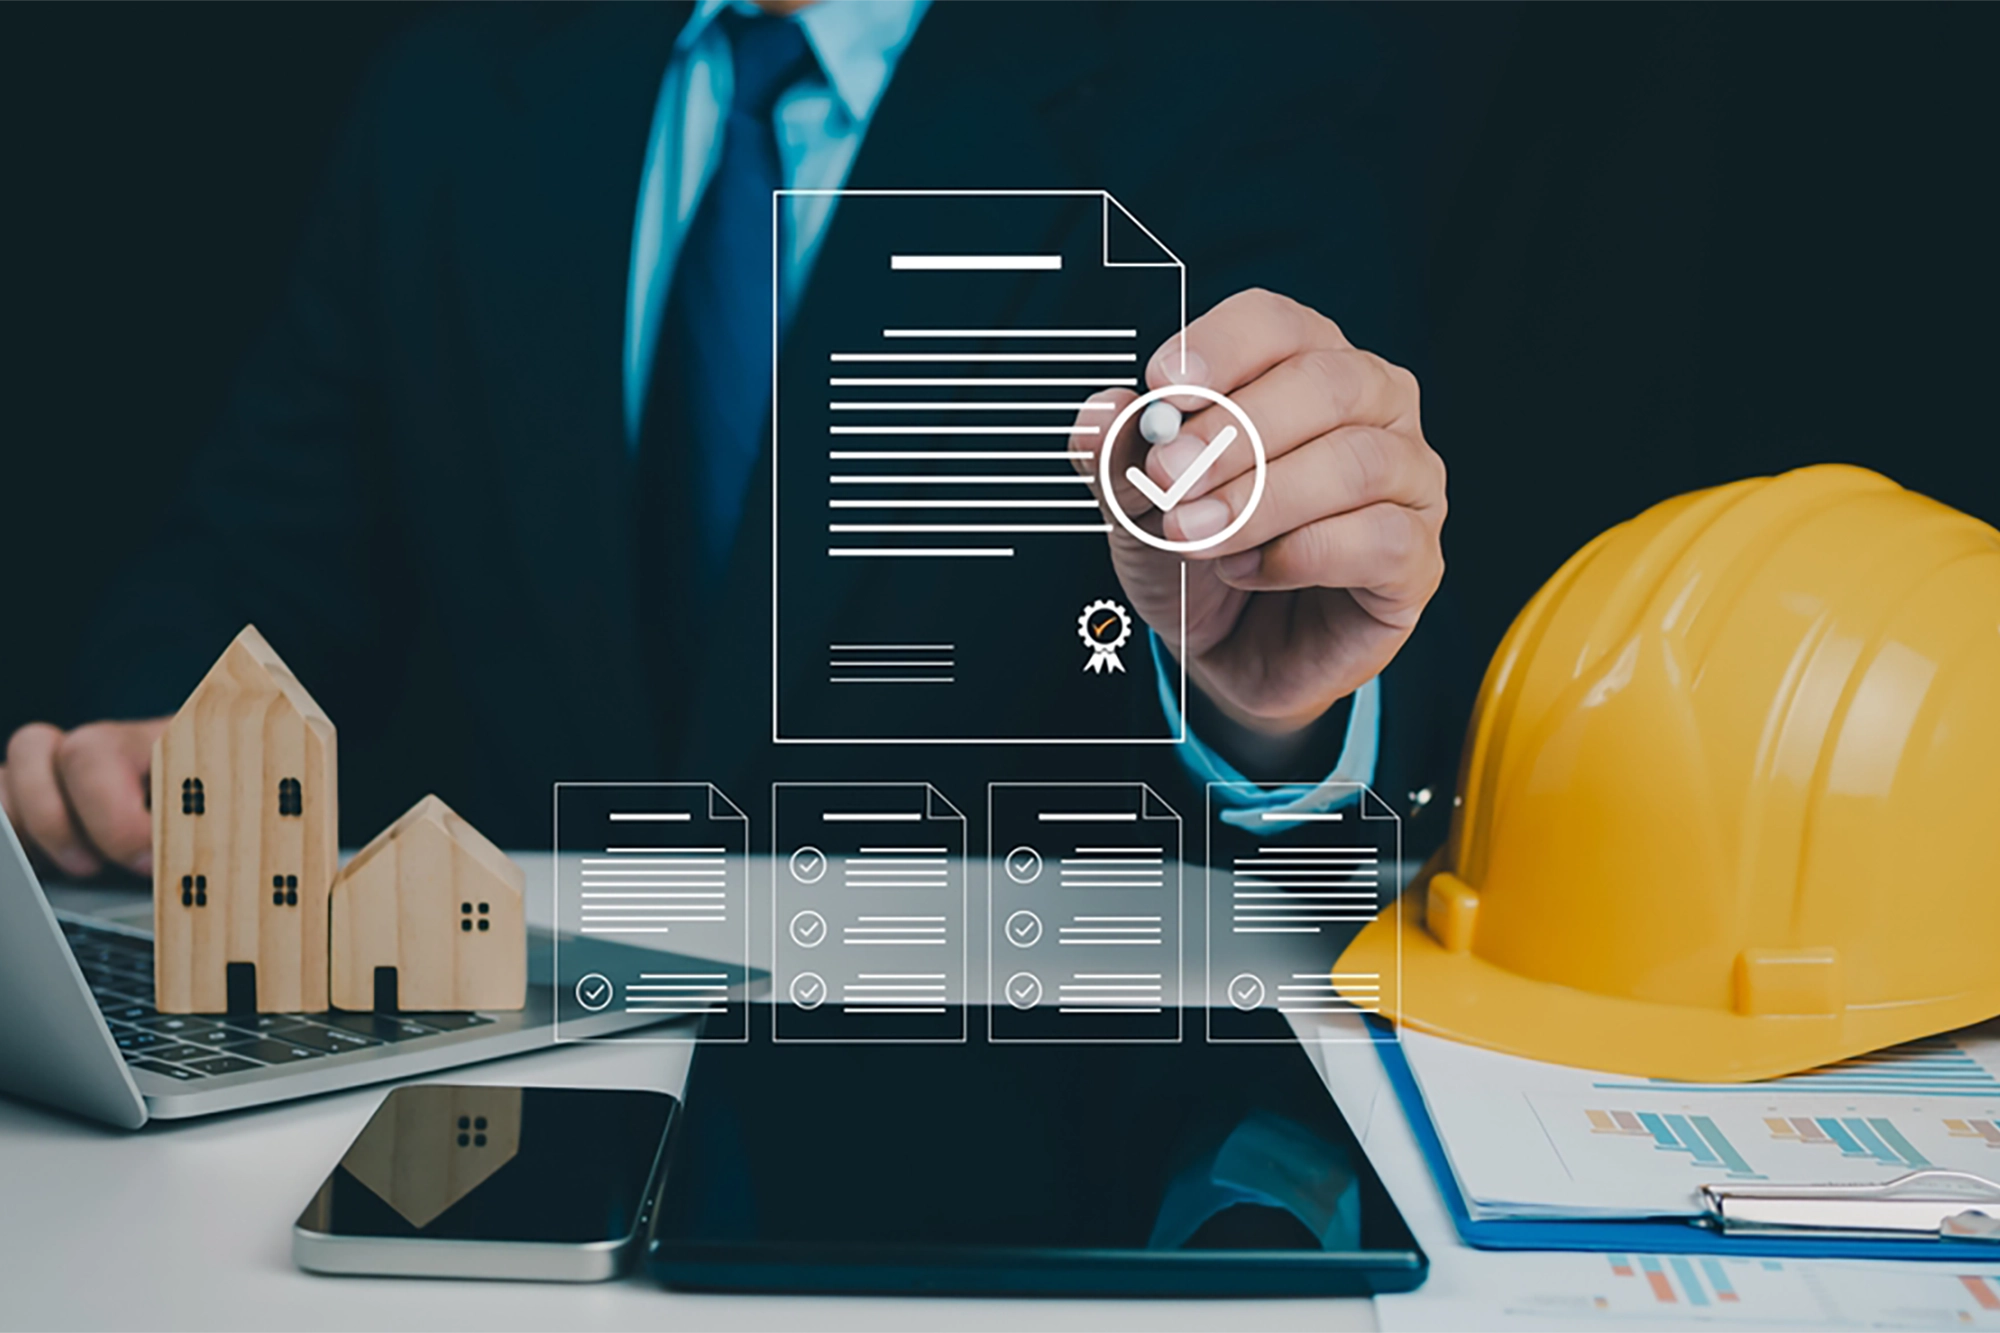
{"x": 515, "y": 407}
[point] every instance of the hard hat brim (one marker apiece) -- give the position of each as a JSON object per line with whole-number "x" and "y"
{"x": 1464, "y": 998}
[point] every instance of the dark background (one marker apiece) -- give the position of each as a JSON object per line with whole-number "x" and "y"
{"x": 1666, "y": 247}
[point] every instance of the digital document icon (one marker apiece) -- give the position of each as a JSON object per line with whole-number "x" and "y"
{"x": 652, "y": 911}
{"x": 1287, "y": 887}
{"x": 868, "y": 912}
{"x": 1089, "y": 944}
{"x": 915, "y": 454}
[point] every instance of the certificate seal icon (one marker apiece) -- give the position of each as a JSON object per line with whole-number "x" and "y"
{"x": 1104, "y": 627}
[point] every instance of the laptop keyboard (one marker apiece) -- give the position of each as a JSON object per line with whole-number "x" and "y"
{"x": 187, "y": 1047}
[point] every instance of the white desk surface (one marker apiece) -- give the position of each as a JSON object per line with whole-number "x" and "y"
{"x": 188, "y": 1225}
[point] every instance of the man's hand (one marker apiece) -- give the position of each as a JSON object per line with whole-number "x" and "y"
{"x": 1320, "y": 589}
{"x": 79, "y": 799}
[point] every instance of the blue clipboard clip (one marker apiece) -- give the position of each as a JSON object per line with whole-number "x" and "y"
{"x": 1954, "y": 1205}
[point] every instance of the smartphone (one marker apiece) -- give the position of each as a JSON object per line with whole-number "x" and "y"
{"x": 537, "y": 1184}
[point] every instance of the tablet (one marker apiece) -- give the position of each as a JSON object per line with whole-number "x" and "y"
{"x": 1015, "y": 1169}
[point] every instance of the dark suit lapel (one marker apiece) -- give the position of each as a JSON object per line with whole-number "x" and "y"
{"x": 545, "y": 246}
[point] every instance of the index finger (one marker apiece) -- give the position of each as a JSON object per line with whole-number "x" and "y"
{"x": 1237, "y": 341}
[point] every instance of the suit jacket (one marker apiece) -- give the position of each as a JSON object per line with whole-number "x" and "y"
{"x": 421, "y": 492}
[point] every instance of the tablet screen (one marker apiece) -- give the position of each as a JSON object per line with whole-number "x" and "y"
{"x": 1221, "y": 1168}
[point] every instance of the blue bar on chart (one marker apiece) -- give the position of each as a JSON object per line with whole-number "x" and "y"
{"x": 1697, "y": 1136}
{"x": 1287, "y": 889}
{"x": 652, "y": 886}
{"x": 869, "y": 913}
{"x": 1083, "y": 913}
{"x": 1933, "y": 1066}
{"x": 1872, "y": 1137}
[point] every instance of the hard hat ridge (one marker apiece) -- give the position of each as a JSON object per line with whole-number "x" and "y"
{"x": 1714, "y": 764}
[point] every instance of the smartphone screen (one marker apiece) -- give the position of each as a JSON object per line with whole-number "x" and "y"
{"x": 561, "y": 1166}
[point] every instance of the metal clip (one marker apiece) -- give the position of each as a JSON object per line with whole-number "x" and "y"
{"x": 1955, "y": 1204}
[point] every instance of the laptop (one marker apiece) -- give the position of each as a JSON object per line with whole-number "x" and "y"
{"x": 83, "y": 1034}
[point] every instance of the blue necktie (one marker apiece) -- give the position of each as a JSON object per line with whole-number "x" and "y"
{"x": 718, "y": 319}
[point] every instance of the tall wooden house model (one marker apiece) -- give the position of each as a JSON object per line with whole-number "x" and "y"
{"x": 245, "y": 841}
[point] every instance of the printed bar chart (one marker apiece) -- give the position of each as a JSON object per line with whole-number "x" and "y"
{"x": 1698, "y": 1136}
{"x": 1653, "y": 1291}
{"x": 1925, "y": 1068}
{"x": 1873, "y": 1137}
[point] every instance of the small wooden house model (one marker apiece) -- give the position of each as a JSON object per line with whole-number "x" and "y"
{"x": 428, "y": 917}
{"x": 245, "y": 841}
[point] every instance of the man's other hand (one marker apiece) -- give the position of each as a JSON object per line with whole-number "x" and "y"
{"x": 79, "y": 798}
{"x": 1323, "y": 585}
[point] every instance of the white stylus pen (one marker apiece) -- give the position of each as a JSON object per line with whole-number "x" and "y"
{"x": 1160, "y": 422}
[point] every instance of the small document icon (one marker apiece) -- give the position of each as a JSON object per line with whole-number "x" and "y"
{"x": 652, "y": 909}
{"x": 1282, "y": 908}
{"x": 1083, "y": 912}
{"x": 868, "y": 897}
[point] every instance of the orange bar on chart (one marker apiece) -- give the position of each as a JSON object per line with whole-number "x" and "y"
{"x": 1982, "y": 1292}
{"x": 1663, "y": 1290}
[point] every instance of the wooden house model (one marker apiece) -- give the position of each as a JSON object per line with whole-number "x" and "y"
{"x": 428, "y": 917}
{"x": 245, "y": 841}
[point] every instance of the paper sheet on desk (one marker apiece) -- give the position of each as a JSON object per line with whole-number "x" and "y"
{"x": 1485, "y": 1289}
{"x": 1533, "y": 1140}
{"x": 1586, "y": 1291}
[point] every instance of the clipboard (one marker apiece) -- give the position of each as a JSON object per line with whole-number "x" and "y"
{"x": 1704, "y": 1234}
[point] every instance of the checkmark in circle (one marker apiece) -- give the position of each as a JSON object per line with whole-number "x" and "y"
{"x": 1024, "y": 990}
{"x": 1203, "y": 465}
{"x": 1246, "y": 991}
{"x": 1024, "y": 865}
{"x": 593, "y": 991}
{"x": 808, "y": 930}
{"x": 1023, "y": 929}
{"x": 808, "y": 990}
{"x": 1164, "y": 501}
{"x": 808, "y": 865}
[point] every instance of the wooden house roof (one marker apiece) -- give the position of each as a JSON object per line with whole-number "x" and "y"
{"x": 434, "y": 812}
{"x": 251, "y": 666}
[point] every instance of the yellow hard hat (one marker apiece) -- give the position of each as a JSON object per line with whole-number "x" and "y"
{"x": 1730, "y": 803}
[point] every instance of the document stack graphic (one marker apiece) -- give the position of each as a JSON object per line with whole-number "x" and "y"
{"x": 1281, "y": 908}
{"x": 661, "y": 867}
{"x": 958, "y": 452}
{"x": 1083, "y": 913}
{"x": 868, "y": 913}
